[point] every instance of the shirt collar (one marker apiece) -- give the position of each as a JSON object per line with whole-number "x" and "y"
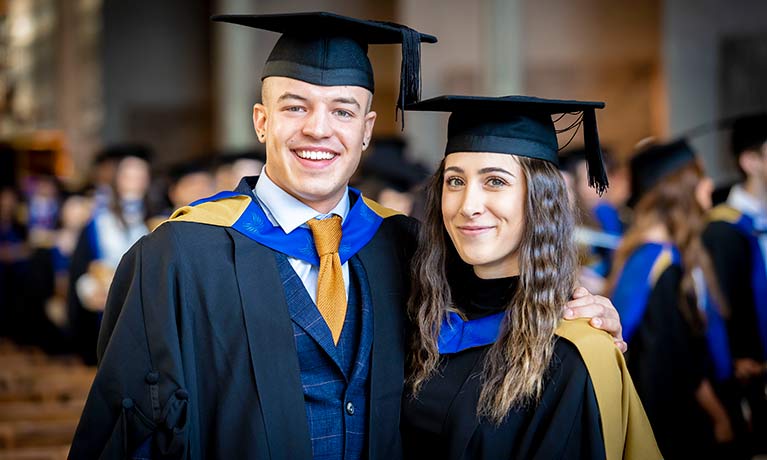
{"x": 744, "y": 202}
{"x": 287, "y": 212}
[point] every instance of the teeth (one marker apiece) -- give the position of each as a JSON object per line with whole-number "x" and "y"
{"x": 314, "y": 155}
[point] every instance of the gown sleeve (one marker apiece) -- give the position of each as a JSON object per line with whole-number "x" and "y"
{"x": 730, "y": 254}
{"x": 138, "y": 391}
{"x": 667, "y": 359}
{"x": 83, "y": 324}
{"x": 625, "y": 428}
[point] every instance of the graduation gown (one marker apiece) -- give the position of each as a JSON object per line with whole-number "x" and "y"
{"x": 197, "y": 349}
{"x": 667, "y": 357}
{"x": 731, "y": 255}
{"x": 586, "y": 374}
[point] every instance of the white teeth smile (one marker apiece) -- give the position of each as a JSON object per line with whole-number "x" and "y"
{"x": 314, "y": 155}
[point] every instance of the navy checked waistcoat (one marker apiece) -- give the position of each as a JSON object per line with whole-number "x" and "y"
{"x": 335, "y": 379}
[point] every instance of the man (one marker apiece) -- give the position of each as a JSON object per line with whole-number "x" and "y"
{"x": 736, "y": 238}
{"x": 228, "y": 334}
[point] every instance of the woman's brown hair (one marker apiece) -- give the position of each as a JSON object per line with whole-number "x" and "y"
{"x": 516, "y": 363}
{"x": 673, "y": 204}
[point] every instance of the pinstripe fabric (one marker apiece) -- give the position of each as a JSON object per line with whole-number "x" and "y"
{"x": 333, "y": 376}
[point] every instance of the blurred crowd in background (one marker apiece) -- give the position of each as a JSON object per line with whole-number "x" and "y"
{"x": 678, "y": 241}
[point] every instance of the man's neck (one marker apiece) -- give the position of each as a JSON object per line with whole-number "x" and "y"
{"x": 756, "y": 188}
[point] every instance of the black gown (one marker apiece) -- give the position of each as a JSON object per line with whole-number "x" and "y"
{"x": 667, "y": 359}
{"x": 197, "y": 349}
{"x": 442, "y": 423}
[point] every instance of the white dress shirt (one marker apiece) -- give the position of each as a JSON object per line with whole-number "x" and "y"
{"x": 285, "y": 211}
{"x": 746, "y": 203}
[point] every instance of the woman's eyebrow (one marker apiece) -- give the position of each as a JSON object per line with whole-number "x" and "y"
{"x": 494, "y": 169}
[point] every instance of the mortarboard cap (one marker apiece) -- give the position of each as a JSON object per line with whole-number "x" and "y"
{"x": 328, "y": 49}
{"x": 187, "y": 168}
{"x": 387, "y": 162}
{"x": 518, "y": 125}
{"x": 748, "y": 132}
{"x": 655, "y": 162}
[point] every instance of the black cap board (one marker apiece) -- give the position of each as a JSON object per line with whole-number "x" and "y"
{"x": 388, "y": 162}
{"x": 328, "y": 49}
{"x": 748, "y": 132}
{"x": 518, "y": 125}
{"x": 655, "y": 162}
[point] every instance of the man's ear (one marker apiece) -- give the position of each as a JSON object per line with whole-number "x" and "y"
{"x": 370, "y": 121}
{"x": 259, "y": 121}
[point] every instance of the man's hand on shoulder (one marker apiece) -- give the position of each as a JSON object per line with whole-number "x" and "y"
{"x": 600, "y": 309}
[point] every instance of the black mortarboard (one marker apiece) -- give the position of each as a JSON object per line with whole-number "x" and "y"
{"x": 655, "y": 162}
{"x": 387, "y": 162}
{"x": 328, "y": 49}
{"x": 748, "y": 132}
{"x": 518, "y": 125}
{"x": 187, "y": 168}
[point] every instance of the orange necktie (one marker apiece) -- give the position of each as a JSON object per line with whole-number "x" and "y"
{"x": 331, "y": 293}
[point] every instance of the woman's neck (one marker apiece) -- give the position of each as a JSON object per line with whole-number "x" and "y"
{"x": 657, "y": 233}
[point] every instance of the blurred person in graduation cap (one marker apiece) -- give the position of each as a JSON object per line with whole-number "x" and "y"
{"x": 269, "y": 322}
{"x": 111, "y": 231}
{"x": 184, "y": 183}
{"x": 736, "y": 237}
{"x": 599, "y": 222}
{"x": 102, "y": 173}
{"x": 14, "y": 257}
{"x": 389, "y": 177}
{"x": 189, "y": 182}
{"x": 494, "y": 371}
{"x": 231, "y": 167}
{"x": 664, "y": 285}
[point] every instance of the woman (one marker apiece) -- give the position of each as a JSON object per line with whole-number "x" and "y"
{"x": 493, "y": 372}
{"x": 101, "y": 245}
{"x": 667, "y": 293}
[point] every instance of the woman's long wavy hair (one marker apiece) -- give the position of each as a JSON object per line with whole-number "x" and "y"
{"x": 515, "y": 365}
{"x": 673, "y": 204}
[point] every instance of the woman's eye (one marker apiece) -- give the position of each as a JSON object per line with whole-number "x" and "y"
{"x": 496, "y": 182}
{"x": 454, "y": 182}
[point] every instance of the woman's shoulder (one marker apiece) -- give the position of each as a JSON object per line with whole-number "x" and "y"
{"x": 583, "y": 347}
{"x": 587, "y": 339}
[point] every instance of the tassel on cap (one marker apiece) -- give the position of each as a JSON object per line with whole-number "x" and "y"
{"x": 596, "y": 166}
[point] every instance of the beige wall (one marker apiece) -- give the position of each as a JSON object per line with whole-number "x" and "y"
{"x": 606, "y": 50}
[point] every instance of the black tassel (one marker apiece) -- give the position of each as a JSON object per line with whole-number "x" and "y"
{"x": 597, "y": 174}
{"x": 410, "y": 71}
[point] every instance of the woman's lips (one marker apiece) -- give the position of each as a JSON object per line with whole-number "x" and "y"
{"x": 473, "y": 230}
